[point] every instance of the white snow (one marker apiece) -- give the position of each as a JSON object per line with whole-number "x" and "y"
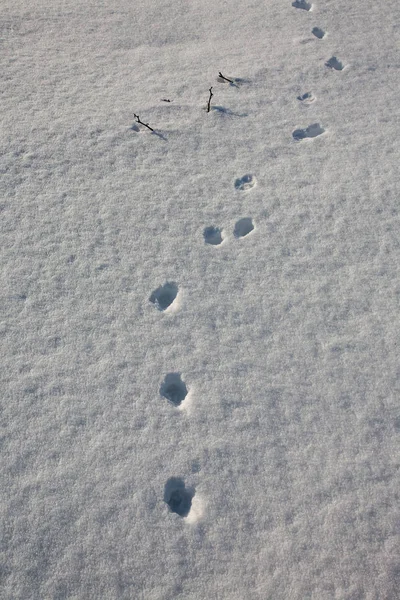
{"x": 277, "y": 476}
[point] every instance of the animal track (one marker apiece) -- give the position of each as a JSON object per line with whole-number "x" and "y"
{"x": 164, "y": 296}
{"x": 243, "y": 227}
{"x": 307, "y": 98}
{"x": 311, "y": 131}
{"x": 302, "y": 4}
{"x": 174, "y": 389}
{"x": 213, "y": 236}
{"x": 245, "y": 183}
{"x": 319, "y": 33}
{"x": 334, "y": 63}
{"x": 178, "y": 496}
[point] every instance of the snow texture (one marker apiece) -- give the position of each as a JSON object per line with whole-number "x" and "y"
{"x": 277, "y": 476}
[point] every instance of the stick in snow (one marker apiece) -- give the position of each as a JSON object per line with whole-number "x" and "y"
{"x": 209, "y": 100}
{"x": 141, "y": 122}
{"x": 226, "y": 79}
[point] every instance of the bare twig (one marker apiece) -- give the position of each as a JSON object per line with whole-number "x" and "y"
{"x": 141, "y": 122}
{"x": 225, "y": 78}
{"x": 209, "y": 100}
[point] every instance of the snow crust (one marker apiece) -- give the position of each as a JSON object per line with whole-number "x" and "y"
{"x": 286, "y": 338}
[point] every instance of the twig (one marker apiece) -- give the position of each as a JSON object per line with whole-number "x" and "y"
{"x": 226, "y": 79}
{"x": 141, "y": 122}
{"x": 165, "y": 100}
{"x": 209, "y": 100}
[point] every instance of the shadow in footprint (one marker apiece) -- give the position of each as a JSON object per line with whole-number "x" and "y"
{"x": 245, "y": 183}
{"x": 213, "y": 236}
{"x": 319, "y": 33}
{"x": 174, "y": 389}
{"x": 178, "y": 496}
{"x": 164, "y": 296}
{"x": 243, "y": 227}
{"x": 307, "y": 98}
{"x": 311, "y": 131}
{"x": 334, "y": 63}
{"x": 302, "y": 4}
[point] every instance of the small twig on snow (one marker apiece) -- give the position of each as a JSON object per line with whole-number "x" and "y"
{"x": 141, "y": 122}
{"x": 226, "y": 79}
{"x": 209, "y": 100}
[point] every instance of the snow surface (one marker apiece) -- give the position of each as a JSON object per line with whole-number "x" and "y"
{"x": 277, "y": 476}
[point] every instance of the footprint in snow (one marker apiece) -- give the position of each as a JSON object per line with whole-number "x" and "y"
{"x": 306, "y": 98}
{"x": 164, "y": 296}
{"x": 302, "y": 4}
{"x": 174, "y": 389}
{"x": 319, "y": 33}
{"x": 243, "y": 227}
{"x": 311, "y": 131}
{"x": 213, "y": 236}
{"x": 334, "y": 63}
{"x": 178, "y": 496}
{"x": 245, "y": 183}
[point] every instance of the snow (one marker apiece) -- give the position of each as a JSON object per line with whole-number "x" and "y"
{"x": 276, "y": 476}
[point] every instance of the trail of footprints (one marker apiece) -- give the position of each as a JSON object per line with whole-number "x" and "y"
{"x": 213, "y": 236}
{"x": 179, "y": 497}
{"x": 306, "y": 99}
{"x": 173, "y": 389}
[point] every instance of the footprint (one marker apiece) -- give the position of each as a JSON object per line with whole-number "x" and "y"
{"x": 302, "y": 4}
{"x": 164, "y": 296}
{"x": 319, "y": 33}
{"x": 243, "y": 227}
{"x": 178, "y": 496}
{"x": 307, "y": 98}
{"x": 174, "y": 389}
{"x": 213, "y": 236}
{"x": 245, "y": 183}
{"x": 311, "y": 131}
{"x": 334, "y": 63}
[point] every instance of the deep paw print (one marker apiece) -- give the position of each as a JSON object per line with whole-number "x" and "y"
{"x": 243, "y": 227}
{"x": 318, "y": 32}
{"x": 307, "y": 98}
{"x": 245, "y": 183}
{"x": 213, "y": 235}
{"x": 174, "y": 389}
{"x": 178, "y": 497}
{"x": 335, "y": 64}
{"x": 311, "y": 131}
{"x": 303, "y": 4}
{"x": 164, "y": 296}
